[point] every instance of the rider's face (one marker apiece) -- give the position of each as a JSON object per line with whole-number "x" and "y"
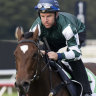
{"x": 48, "y": 19}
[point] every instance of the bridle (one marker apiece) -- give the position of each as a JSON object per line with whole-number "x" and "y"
{"x": 28, "y": 41}
{"x": 37, "y": 74}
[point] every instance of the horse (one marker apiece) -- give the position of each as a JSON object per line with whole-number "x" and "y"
{"x": 34, "y": 77}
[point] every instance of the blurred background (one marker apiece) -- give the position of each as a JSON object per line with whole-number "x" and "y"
{"x": 15, "y": 13}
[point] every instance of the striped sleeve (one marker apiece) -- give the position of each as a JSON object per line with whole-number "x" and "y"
{"x": 72, "y": 41}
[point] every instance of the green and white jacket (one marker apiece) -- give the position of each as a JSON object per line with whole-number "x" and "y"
{"x": 63, "y": 33}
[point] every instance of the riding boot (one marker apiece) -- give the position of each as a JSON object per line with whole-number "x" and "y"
{"x": 80, "y": 75}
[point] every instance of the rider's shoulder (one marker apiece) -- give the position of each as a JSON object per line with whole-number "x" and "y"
{"x": 65, "y": 19}
{"x": 67, "y": 15}
{"x": 38, "y": 20}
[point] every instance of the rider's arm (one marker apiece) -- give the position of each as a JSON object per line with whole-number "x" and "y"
{"x": 72, "y": 42}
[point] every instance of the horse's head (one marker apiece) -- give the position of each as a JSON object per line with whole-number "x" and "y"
{"x": 27, "y": 57}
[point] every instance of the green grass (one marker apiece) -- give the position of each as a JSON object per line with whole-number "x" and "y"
{"x": 13, "y": 94}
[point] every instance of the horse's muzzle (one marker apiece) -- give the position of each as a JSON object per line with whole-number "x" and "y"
{"x": 22, "y": 87}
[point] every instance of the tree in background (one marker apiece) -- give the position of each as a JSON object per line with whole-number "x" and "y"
{"x": 15, "y": 13}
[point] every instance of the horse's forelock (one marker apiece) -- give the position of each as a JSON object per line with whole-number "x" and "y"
{"x": 27, "y": 35}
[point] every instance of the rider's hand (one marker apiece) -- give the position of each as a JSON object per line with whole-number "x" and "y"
{"x": 52, "y": 55}
{"x": 42, "y": 51}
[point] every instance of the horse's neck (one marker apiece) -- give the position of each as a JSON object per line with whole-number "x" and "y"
{"x": 41, "y": 86}
{"x": 49, "y": 75}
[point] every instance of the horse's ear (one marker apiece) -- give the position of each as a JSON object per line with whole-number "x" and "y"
{"x": 35, "y": 35}
{"x": 19, "y": 32}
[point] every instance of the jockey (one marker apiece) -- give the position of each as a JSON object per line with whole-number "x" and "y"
{"x": 61, "y": 30}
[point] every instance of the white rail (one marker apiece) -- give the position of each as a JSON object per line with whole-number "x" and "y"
{"x": 6, "y": 82}
{"x": 86, "y": 60}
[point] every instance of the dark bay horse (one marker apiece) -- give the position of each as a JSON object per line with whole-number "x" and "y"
{"x": 33, "y": 74}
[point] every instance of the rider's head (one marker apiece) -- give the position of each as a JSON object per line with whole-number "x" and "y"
{"x": 48, "y": 11}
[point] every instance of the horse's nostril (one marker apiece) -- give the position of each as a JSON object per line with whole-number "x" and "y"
{"x": 26, "y": 86}
{"x": 22, "y": 86}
